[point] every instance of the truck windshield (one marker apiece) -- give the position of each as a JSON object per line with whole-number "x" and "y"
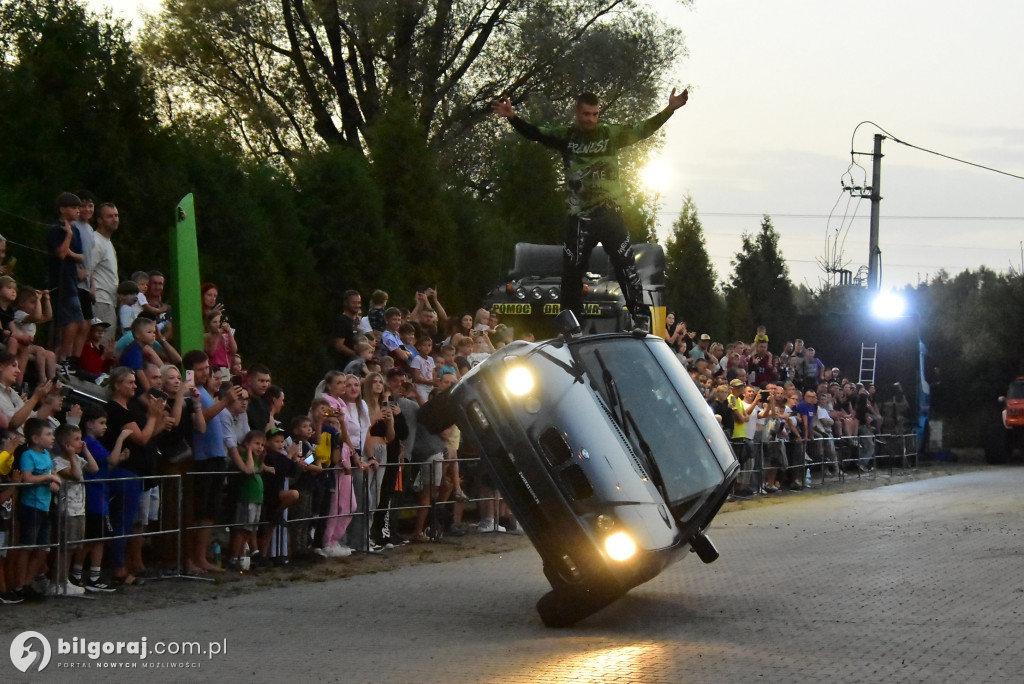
{"x": 1016, "y": 390}
{"x": 659, "y": 406}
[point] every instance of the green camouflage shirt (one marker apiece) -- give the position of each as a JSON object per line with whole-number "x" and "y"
{"x": 591, "y": 160}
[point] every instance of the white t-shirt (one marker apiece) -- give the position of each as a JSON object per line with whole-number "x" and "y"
{"x": 104, "y": 269}
{"x": 425, "y": 365}
{"x": 75, "y": 489}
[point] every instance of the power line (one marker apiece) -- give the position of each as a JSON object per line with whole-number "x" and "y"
{"x": 937, "y": 154}
{"x": 908, "y": 217}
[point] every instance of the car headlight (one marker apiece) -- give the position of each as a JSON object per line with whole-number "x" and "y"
{"x": 620, "y": 546}
{"x": 519, "y": 380}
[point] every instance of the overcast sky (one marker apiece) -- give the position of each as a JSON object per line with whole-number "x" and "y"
{"x": 777, "y": 89}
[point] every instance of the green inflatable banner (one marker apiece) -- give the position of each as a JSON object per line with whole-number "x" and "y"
{"x": 185, "y": 267}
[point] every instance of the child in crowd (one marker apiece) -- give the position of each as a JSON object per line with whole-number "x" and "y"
{"x": 97, "y": 498}
{"x": 249, "y": 500}
{"x": 282, "y": 466}
{"x": 140, "y": 352}
{"x": 422, "y": 366}
{"x": 375, "y": 316}
{"x": 447, "y": 364}
{"x": 33, "y": 306}
{"x": 156, "y": 312}
{"x": 218, "y": 340}
{"x": 95, "y": 360}
{"x": 357, "y": 366}
{"x": 300, "y": 434}
{"x": 343, "y": 499}
{"x": 8, "y": 294}
{"x": 10, "y": 441}
{"x": 391, "y": 342}
{"x": 128, "y": 307}
{"x": 73, "y": 460}
{"x": 407, "y": 333}
{"x": 141, "y": 280}
{"x": 36, "y": 466}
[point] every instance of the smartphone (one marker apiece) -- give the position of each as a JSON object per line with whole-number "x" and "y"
{"x": 764, "y": 395}
{"x": 309, "y": 459}
{"x": 190, "y": 377}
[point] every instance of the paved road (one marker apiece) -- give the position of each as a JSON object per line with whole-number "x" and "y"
{"x": 914, "y": 582}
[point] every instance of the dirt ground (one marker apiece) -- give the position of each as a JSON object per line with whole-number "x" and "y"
{"x": 173, "y": 591}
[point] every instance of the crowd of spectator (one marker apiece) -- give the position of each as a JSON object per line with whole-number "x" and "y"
{"x": 208, "y": 429}
{"x": 784, "y": 411}
{"x": 323, "y": 483}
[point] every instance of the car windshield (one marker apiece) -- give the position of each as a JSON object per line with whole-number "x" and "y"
{"x": 1016, "y": 390}
{"x": 660, "y": 425}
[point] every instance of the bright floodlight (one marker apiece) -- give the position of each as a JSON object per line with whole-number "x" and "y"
{"x": 888, "y": 305}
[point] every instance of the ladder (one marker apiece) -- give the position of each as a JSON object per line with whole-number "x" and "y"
{"x": 868, "y": 359}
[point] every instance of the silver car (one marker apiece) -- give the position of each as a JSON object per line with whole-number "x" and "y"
{"x": 608, "y": 455}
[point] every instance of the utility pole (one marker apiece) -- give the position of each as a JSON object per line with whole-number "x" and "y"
{"x": 874, "y": 193}
{"x": 874, "y": 253}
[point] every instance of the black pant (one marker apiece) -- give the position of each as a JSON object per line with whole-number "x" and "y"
{"x": 582, "y": 233}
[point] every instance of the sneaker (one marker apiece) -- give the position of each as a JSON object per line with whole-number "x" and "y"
{"x": 374, "y": 547}
{"x": 338, "y": 551}
{"x": 73, "y": 590}
{"x": 10, "y": 597}
{"x": 258, "y": 560}
{"x": 514, "y": 528}
{"x": 456, "y": 530}
{"x": 641, "y": 324}
{"x": 487, "y": 525}
{"x": 99, "y": 587}
{"x": 460, "y": 496}
{"x": 320, "y": 552}
{"x": 29, "y": 593}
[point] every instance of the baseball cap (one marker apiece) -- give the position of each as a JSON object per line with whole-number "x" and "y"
{"x": 705, "y": 336}
{"x": 274, "y": 431}
{"x": 736, "y": 382}
{"x": 100, "y": 322}
{"x": 68, "y": 199}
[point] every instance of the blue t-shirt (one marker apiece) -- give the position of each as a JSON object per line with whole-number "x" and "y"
{"x": 97, "y": 495}
{"x": 132, "y": 357}
{"x": 38, "y": 495}
{"x": 209, "y": 444}
{"x": 809, "y": 410}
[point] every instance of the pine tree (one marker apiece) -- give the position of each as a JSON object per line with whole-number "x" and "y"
{"x": 689, "y": 275}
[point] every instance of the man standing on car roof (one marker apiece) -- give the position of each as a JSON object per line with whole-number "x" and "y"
{"x": 595, "y": 194}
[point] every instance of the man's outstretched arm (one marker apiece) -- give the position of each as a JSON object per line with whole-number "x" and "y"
{"x": 502, "y": 106}
{"x": 644, "y": 129}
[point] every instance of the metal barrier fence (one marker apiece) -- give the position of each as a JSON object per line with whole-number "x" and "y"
{"x": 824, "y": 454}
{"x": 829, "y": 456}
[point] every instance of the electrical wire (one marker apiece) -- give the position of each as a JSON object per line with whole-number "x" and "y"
{"x": 925, "y": 149}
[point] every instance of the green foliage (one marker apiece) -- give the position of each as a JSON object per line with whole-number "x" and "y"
{"x": 759, "y": 291}
{"x": 291, "y": 77}
{"x": 405, "y": 169}
{"x": 339, "y": 201}
{"x": 690, "y": 277}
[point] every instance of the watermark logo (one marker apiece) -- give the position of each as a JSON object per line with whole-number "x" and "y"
{"x": 24, "y": 653}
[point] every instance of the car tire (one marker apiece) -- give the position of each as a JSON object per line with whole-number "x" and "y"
{"x": 557, "y": 611}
